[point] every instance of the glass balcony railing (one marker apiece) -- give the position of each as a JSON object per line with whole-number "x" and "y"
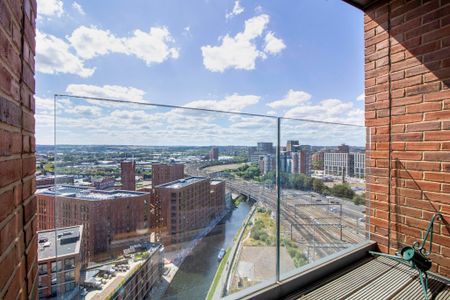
{"x": 144, "y": 200}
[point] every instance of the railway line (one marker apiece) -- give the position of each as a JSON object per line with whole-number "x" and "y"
{"x": 306, "y": 226}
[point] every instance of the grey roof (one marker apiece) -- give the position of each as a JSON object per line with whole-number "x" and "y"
{"x": 181, "y": 182}
{"x": 84, "y": 193}
{"x": 59, "y": 242}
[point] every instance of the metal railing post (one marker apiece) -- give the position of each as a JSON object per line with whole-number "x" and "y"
{"x": 278, "y": 179}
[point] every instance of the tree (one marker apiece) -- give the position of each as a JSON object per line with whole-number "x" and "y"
{"x": 342, "y": 190}
{"x": 359, "y": 199}
{"x": 318, "y": 185}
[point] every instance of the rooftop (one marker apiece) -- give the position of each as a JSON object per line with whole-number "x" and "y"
{"x": 120, "y": 271}
{"x": 180, "y": 183}
{"x": 84, "y": 193}
{"x": 215, "y": 181}
{"x": 60, "y": 242}
{"x": 52, "y": 176}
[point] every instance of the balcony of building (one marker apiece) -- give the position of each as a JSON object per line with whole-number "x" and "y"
{"x": 242, "y": 209}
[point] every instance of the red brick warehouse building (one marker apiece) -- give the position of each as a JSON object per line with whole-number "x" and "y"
{"x": 163, "y": 173}
{"x": 188, "y": 206}
{"x": 111, "y": 219}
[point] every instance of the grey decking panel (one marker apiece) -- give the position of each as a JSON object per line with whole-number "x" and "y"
{"x": 414, "y": 289}
{"x": 344, "y": 285}
{"x": 444, "y": 294}
{"x": 379, "y": 278}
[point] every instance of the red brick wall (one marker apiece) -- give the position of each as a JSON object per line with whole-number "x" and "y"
{"x": 407, "y": 80}
{"x": 18, "y": 245}
{"x": 163, "y": 173}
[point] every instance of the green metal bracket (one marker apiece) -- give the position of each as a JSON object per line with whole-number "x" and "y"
{"x": 416, "y": 256}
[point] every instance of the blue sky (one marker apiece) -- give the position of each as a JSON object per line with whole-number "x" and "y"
{"x": 301, "y": 59}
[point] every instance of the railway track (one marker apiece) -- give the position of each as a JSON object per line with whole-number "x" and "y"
{"x": 302, "y": 230}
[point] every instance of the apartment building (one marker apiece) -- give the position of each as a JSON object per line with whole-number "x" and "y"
{"x": 59, "y": 261}
{"x": 301, "y": 162}
{"x": 103, "y": 183}
{"x": 267, "y": 163}
{"x": 132, "y": 277}
{"x": 359, "y": 165}
{"x": 163, "y": 173}
{"x": 111, "y": 219}
{"x": 213, "y": 153}
{"x": 189, "y": 205}
{"x": 317, "y": 159}
{"x": 217, "y": 194}
{"x": 47, "y": 180}
{"x": 347, "y": 164}
{"x": 290, "y": 145}
{"x": 338, "y": 164}
{"x": 265, "y": 147}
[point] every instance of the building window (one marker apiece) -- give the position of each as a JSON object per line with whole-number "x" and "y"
{"x": 54, "y": 290}
{"x": 54, "y": 279}
{"x": 43, "y": 269}
{"x": 42, "y": 281}
{"x": 56, "y": 266}
{"x": 69, "y": 263}
{"x": 69, "y": 276}
{"x": 42, "y": 293}
{"x": 69, "y": 286}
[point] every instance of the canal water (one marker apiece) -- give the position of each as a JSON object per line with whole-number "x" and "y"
{"x": 195, "y": 275}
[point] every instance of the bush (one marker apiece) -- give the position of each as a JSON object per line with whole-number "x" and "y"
{"x": 359, "y": 199}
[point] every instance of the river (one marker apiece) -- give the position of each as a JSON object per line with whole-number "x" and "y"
{"x": 195, "y": 275}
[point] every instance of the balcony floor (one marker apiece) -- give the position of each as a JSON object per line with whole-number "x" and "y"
{"x": 375, "y": 278}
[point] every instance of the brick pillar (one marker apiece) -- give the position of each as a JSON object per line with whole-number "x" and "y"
{"x": 18, "y": 245}
{"x": 407, "y": 78}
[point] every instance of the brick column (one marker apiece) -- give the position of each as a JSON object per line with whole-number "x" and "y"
{"x": 407, "y": 79}
{"x": 18, "y": 245}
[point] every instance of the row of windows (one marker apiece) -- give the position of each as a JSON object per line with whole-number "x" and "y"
{"x": 56, "y": 266}
{"x": 68, "y": 276}
{"x": 54, "y": 290}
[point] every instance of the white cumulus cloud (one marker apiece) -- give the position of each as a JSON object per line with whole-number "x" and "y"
{"x": 240, "y": 51}
{"x": 153, "y": 46}
{"x": 361, "y": 97}
{"x": 53, "y": 56}
{"x": 106, "y": 91}
{"x": 234, "y": 103}
{"x": 293, "y": 98}
{"x": 237, "y": 10}
{"x": 85, "y": 111}
{"x": 78, "y": 8}
{"x": 50, "y": 8}
{"x": 273, "y": 44}
{"x": 329, "y": 110}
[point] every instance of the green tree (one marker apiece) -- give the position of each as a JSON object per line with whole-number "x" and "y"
{"x": 359, "y": 199}
{"x": 342, "y": 190}
{"x": 318, "y": 185}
